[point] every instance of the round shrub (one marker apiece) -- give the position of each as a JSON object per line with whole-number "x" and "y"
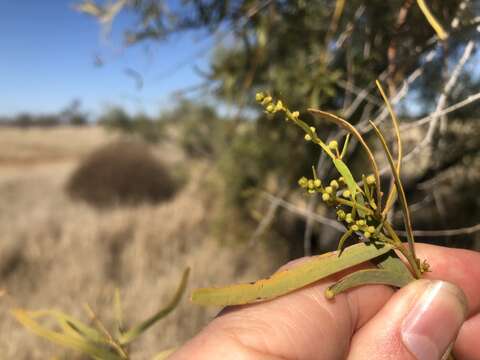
{"x": 122, "y": 172}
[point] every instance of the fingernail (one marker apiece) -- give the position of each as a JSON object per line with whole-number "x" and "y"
{"x": 434, "y": 320}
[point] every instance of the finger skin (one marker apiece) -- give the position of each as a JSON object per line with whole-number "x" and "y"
{"x": 305, "y": 325}
{"x": 434, "y": 310}
{"x": 458, "y": 266}
{"x": 466, "y": 346}
{"x": 302, "y": 325}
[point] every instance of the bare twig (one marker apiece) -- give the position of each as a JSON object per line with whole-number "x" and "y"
{"x": 450, "y": 232}
{"x": 362, "y": 94}
{"x": 111, "y": 340}
{"x": 467, "y": 53}
{"x": 415, "y": 74}
{"x": 267, "y": 219}
{"x": 420, "y": 204}
{"x": 303, "y": 212}
{"x": 425, "y": 120}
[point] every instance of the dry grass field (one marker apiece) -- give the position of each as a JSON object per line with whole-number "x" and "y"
{"x": 57, "y": 253}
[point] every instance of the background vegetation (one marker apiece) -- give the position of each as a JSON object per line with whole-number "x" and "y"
{"x": 232, "y": 179}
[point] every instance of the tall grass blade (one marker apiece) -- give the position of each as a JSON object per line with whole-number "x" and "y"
{"x": 68, "y": 340}
{"x": 136, "y": 331}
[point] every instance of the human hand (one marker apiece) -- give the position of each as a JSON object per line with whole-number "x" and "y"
{"x": 420, "y": 321}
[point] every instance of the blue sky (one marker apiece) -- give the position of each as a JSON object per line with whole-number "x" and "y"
{"x": 47, "y": 53}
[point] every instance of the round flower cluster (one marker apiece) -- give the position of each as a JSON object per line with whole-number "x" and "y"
{"x": 336, "y": 193}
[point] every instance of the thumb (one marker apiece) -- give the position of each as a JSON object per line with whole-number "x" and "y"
{"x": 421, "y": 321}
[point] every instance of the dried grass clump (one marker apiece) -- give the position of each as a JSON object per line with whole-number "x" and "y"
{"x": 122, "y": 172}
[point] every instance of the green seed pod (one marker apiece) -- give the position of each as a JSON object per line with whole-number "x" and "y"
{"x": 325, "y": 197}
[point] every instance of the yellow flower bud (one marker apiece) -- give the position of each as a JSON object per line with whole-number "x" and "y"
{"x": 295, "y": 114}
{"x": 370, "y": 179}
{"x": 367, "y": 234}
{"x": 354, "y": 227}
{"x": 360, "y": 222}
{"x": 317, "y": 182}
{"x": 348, "y": 218}
{"x": 311, "y": 184}
{"x": 312, "y": 129}
{"x": 333, "y": 144}
{"x": 267, "y": 100}
{"x": 279, "y": 106}
{"x": 334, "y": 184}
{"x": 346, "y": 194}
{"x": 328, "y": 190}
{"x": 308, "y": 137}
{"x": 371, "y": 229}
{"x": 341, "y": 214}
{"x": 259, "y": 96}
{"x": 303, "y": 182}
{"x": 325, "y": 197}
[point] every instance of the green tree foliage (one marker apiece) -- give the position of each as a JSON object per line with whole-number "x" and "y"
{"x": 323, "y": 54}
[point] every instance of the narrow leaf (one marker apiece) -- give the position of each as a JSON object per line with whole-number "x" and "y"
{"x": 366, "y": 277}
{"x": 117, "y": 307}
{"x": 134, "y": 332}
{"x": 70, "y": 325}
{"x": 347, "y": 175}
{"x": 401, "y": 192}
{"x": 286, "y": 281}
{"x": 393, "y": 190}
{"x": 390, "y": 261}
{"x": 342, "y": 240}
{"x": 361, "y": 201}
{"x": 163, "y": 355}
{"x": 442, "y": 35}
{"x": 66, "y": 340}
{"x": 351, "y": 129}
{"x": 345, "y": 146}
